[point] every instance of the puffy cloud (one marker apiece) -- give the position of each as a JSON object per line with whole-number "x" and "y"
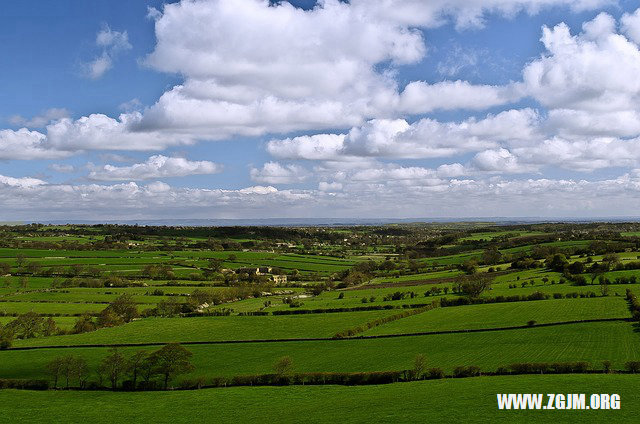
{"x": 499, "y": 160}
{"x": 465, "y": 13}
{"x": 158, "y": 166}
{"x": 421, "y": 97}
{"x": 275, "y": 173}
{"x": 112, "y": 43}
{"x": 578, "y": 71}
{"x": 631, "y": 25}
{"x": 425, "y": 138}
{"x": 100, "y": 132}
{"x": 25, "y": 182}
{"x": 41, "y": 120}
{"x": 326, "y": 186}
{"x": 582, "y": 155}
{"x": 24, "y": 144}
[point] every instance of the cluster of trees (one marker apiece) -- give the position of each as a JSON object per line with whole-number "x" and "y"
{"x": 200, "y": 299}
{"x": 141, "y": 370}
{"x": 27, "y": 326}
{"x": 473, "y": 285}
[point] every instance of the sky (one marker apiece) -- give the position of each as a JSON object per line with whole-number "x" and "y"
{"x": 112, "y": 109}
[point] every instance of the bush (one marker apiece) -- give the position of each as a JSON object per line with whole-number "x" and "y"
{"x": 10, "y": 383}
{"x": 633, "y": 366}
{"x": 435, "y": 373}
{"x": 466, "y": 371}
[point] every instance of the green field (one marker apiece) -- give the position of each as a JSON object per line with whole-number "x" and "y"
{"x": 507, "y": 314}
{"x": 161, "y": 330}
{"x": 592, "y": 342}
{"x": 449, "y": 400}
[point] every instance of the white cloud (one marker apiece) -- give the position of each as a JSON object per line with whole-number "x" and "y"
{"x": 593, "y": 71}
{"x": 631, "y": 25}
{"x": 421, "y": 97}
{"x": 158, "y": 166}
{"x": 112, "y": 43}
{"x": 41, "y": 120}
{"x": 275, "y": 173}
{"x": 24, "y": 182}
{"x": 63, "y": 168}
{"x": 425, "y": 138}
{"x": 24, "y": 144}
{"x": 326, "y": 186}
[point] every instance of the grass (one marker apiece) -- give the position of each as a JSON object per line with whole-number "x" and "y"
{"x": 470, "y": 400}
{"x": 592, "y": 342}
{"x": 507, "y": 314}
{"x": 215, "y": 328}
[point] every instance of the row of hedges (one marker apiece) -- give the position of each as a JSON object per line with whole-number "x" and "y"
{"x": 12, "y": 383}
{"x": 380, "y": 321}
{"x": 634, "y": 305}
{"x": 545, "y": 368}
{"x": 332, "y": 310}
{"x": 461, "y": 301}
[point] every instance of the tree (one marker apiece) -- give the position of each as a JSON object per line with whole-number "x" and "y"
{"x": 171, "y": 360}
{"x": 557, "y": 262}
{"x": 491, "y": 256}
{"x": 474, "y": 286}
{"x": 610, "y": 259}
{"x": 136, "y": 365}
{"x": 283, "y": 366}
{"x": 604, "y": 287}
{"x": 576, "y": 267}
{"x": 113, "y": 367}
{"x": 68, "y": 367}
{"x": 124, "y": 307}
{"x": 6, "y": 337}
{"x": 27, "y": 326}
{"x": 84, "y": 324}
{"x": 5, "y": 268}
{"x": 20, "y": 259}
{"x": 49, "y": 327}
{"x": 108, "y": 318}
{"x": 419, "y": 366}
{"x": 55, "y": 368}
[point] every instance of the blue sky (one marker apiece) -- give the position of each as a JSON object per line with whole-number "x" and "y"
{"x": 457, "y": 108}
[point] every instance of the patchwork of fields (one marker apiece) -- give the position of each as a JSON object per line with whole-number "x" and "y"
{"x": 360, "y": 303}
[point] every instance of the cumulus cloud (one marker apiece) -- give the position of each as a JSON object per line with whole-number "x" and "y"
{"x": 415, "y": 194}
{"x": 112, "y": 43}
{"x": 157, "y": 166}
{"x": 593, "y": 71}
{"x": 276, "y": 173}
{"x": 425, "y": 138}
{"x": 24, "y": 144}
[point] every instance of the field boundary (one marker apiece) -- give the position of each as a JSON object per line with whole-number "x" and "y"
{"x": 316, "y": 339}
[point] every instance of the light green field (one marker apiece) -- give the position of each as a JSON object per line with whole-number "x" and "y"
{"x": 215, "y": 328}
{"x": 506, "y": 314}
{"x": 592, "y": 342}
{"x": 468, "y": 400}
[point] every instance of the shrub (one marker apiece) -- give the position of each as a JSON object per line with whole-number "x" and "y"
{"x": 633, "y": 366}
{"x": 466, "y": 371}
{"x": 435, "y": 373}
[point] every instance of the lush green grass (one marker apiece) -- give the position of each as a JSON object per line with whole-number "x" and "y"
{"x": 216, "y": 328}
{"x": 593, "y": 342}
{"x": 469, "y": 400}
{"x": 506, "y": 314}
